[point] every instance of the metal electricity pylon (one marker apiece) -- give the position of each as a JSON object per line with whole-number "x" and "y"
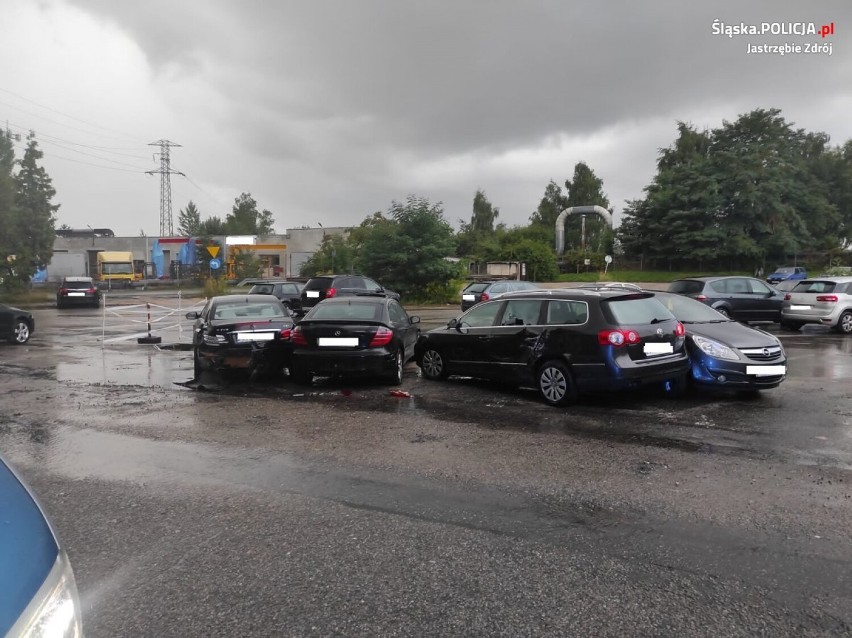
{"x": 165, "y": 172}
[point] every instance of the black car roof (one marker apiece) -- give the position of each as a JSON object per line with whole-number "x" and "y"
{"x": 376, "y": 299}
{"x": 576, "y": 293}
{"x": 235, "y": 299}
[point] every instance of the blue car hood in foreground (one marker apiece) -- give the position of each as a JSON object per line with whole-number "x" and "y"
{"x": 28, "y": 548}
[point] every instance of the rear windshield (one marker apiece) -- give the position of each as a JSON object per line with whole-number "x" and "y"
{"x": 633, "y": 311}
{"x": 475, "y": 287}
{"x": 253, "y": 310}
{"x": 318, "y": 283}
{"x": 815, "y": 286}
{"x": 346, "y": 312}
{"x": 78, "y": 285}
{"x": 689, "y": 310}
{"x": 686, "y": 287}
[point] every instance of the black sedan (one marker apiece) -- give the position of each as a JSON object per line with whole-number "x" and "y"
{"x": 724, "y": 353}
{"x": 289, "y": 292}
{"x": 354, "y": 335}
{"x": 16, "y": 325}
{"x": 242, "y": 332}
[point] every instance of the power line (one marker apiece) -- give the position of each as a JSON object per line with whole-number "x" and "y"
{"x": 52, "y": 110}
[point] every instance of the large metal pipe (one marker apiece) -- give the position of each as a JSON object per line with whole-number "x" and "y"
{"x": 577, "y": 210}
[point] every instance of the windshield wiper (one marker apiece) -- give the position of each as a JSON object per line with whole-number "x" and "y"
{"x": 653, "y": 321}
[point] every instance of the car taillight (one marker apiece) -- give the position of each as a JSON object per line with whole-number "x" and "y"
{"x": 330, "y": 293}
{"x": 484, "y": 297}
{"x": 788, "y": 297}
{"x": 382, "y": 337}
{"x": 285, "y": 334}
{"x": 618, "y": 337}
{"x": 679, "y": 329}
{"x": 831, "y": 298}
{"x": 91, "y": 290}
{"x": 63, "y": 291}
{"x": 298, "y": 337}
{"x": 701, "y": 297}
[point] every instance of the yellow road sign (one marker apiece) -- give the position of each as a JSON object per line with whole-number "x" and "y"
{"x": 213, "y": 250}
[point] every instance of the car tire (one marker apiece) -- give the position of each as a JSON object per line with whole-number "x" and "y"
{"x": 844, "y": 323}
{"x": 301, "y": 376}
{"x": 555, "y": 383}
{"x": 790, "y": 325}
{"x": 395, "y": 378}
{"x": 432, "y": 365}
{"x": 723, "y": 311}
{"x": 196, "y": 364}
{"x": 20, "y": 332}
{"x": 676, "y": 387}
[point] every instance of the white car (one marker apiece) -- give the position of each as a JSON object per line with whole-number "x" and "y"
{"x": 826, "y": 301}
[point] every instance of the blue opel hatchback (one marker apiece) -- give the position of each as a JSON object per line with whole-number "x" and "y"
{"x": 38, "y": 594}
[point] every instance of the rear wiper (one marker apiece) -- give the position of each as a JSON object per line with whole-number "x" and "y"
{"x": 653, "y": 321}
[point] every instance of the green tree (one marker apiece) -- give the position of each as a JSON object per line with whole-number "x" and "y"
{"x": 189, "y": 220}
{"x": 552, "y": 203}
{"x": 33, "y": 218}
{"x": 212, "y": 226}
{"x": 476, "y": 238}
{"x": 586, "y": 189}
{"x": 9, "y": 218}
{"x": 749, "y": 192}
{"x": 244, "y": 219}
{"x": 484, "y": 214}
{"x": 335, "y": 255}
{"x": 408, "y": 252}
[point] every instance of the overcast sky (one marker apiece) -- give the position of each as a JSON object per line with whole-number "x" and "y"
{"x": 328, "y": 110}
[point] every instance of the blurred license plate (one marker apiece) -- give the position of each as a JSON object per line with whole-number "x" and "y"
{"x": 312, "y": 293}
{"x": 468, "y": 298}
{"x": 766, "y": 371}
{"x": 255, "y": 336}
{"x": 338, "y": 341}
{"x": 658, "y": 348}
{"x": 800, "y": 307}
{"x": 76, "y": 294}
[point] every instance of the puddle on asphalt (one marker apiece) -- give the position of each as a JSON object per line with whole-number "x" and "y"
{"x": 145, "y": 366}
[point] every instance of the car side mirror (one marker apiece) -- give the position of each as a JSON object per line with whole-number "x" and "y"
{"x": 414, "y": 319}
{"x": 193, "y": 315}
{"x": 453, "y": 323}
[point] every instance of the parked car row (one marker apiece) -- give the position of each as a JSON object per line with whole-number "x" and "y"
{"x": 352, "y": 334}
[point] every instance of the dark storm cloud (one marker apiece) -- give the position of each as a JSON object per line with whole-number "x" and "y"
{"x": 451, "y": 76}
{"x": 347, "y": 104}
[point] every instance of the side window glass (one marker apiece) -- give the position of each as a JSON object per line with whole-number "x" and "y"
{"x": 720, "y": 286}
{"x": 758, "y": 287}
{"x": 566, "y": 312}
{"x": 369, "y": 284}
{"x": 521, "y": 312}
{"x": 397, "y": 314}
{"x": 498, "y": 289}
{"x": 482, "y": 315}
{"x": 737, "y": 286}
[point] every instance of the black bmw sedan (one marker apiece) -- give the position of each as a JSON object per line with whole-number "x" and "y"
{"x": 242, "y": 332}
{"x": 354, "y": 335}
{"x": 724, "y": 353}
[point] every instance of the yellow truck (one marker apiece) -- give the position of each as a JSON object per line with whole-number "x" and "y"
{"x": 116, "y": 268}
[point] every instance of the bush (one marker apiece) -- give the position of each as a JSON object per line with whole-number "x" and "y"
{"x": 215, "y": 287}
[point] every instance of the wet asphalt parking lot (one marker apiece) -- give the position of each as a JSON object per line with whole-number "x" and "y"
{"x": 269, "y": 509}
